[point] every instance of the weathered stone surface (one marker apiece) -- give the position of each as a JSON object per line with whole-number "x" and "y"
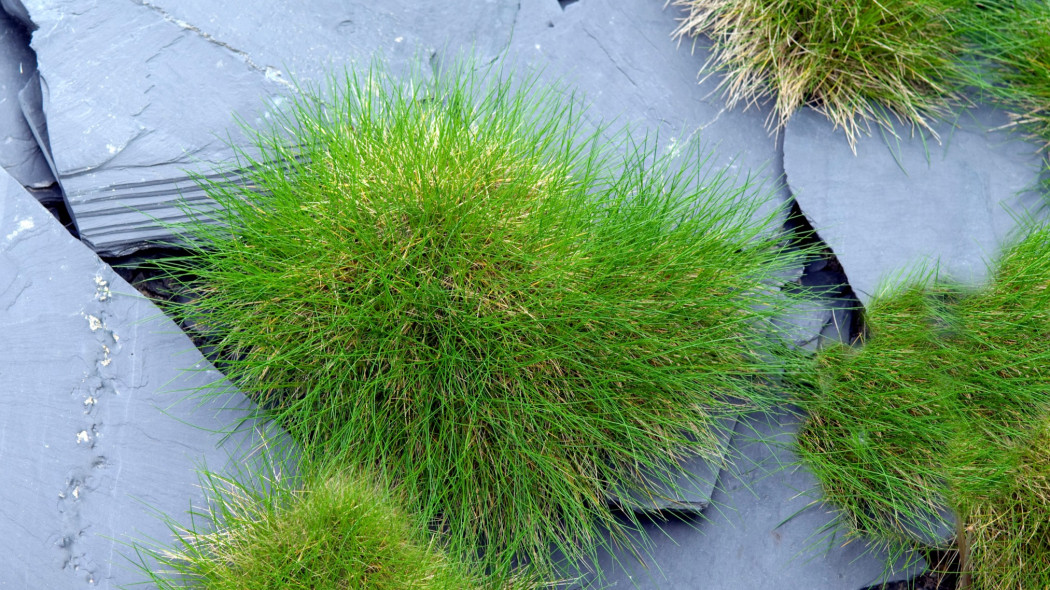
{"x": 19, "y": 153}
{"x": 136, "y": 93}
{"x": 95, "y": 431}
{"x": 764, "y": 529}
{"x": 897, "y": 205}
{"x": 619, "y": 54}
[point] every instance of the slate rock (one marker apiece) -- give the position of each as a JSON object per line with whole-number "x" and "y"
{"x": 97, "y": 431}
{"x": 620, "y": 56}
{"x": 30, "y": 101}
{"x": 19, "y": 153}
{"x": 898, "y": 205}
{"x": 766, "y": 528}
{"x": 138, "y": 93}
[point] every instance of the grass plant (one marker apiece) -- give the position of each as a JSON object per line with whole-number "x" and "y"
{"x": 1008, "y": 530}
{"x": 334, "y": 530}
{"x": 857, "y": 61}
{"x": 1015, "y": 41}
{"x": 937, "y": 409}
{"x": 448, "y": 281}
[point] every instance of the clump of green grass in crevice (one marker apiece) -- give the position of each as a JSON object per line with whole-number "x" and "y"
{"x": 857, "y": 62}
{"x": 934, "y": 408}
{"x": 333, "y": 529}
{"x": 450, "y": 283}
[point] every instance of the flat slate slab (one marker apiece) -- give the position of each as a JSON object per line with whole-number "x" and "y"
{"x": 19, "y": 153}
{"x": 764, "y": 529}
{"x": 137, "y": 93}
{"x": 95, "y": 431}
{"x": 897, "y": 205}
{"x": 620, "y": 55}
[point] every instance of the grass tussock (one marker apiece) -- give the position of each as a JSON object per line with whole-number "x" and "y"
{"x": 1009, "y": 530}
{"x": 448, "y": 282}
{"x": 856, "y": 61}
{"x": 938, "y": 407}
{"x": 333, "y": 532}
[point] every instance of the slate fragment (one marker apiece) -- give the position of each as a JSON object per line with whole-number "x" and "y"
{"x": 137, "y": 93}
{"x": 765, "y": 528}
{"x": 19, "y": 153}
{"x": 897, "y": 205}
{"x": 96, "y": 433}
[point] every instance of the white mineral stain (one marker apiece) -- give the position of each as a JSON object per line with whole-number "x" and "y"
{"x": 76, "y": 492}
{"x": 102, "y": 291}
{"x": 90, "y": 401}
{"x": 83, "y": 437}
{"x": 94, "y": 323}
{"x": 23, "y": 225}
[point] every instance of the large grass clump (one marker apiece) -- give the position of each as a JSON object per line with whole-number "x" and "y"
{"x": 942, "y": 407}
{"x": 448, "y": 282}
{"x": 333, "y": 530}
{"x": 857, "y": 61}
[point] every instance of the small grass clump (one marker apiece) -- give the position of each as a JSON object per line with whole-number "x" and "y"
{"x": 1015, "y": 42}
{"x": 337, "y": 531}
{"x": 857, "y": 61}
{"x": 448, "y": 282}
{"x": 937, "y": 409}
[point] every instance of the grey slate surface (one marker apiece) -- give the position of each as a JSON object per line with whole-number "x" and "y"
{"x": 93, "y": 435}
{"x": 19, "y": 153}
{"x": 137, "y": 92}
{"x": 763, "y": 530}
{"x": 887, "y": 210}
{"x": 620, "y": 55}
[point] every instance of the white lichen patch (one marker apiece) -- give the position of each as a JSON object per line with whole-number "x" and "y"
{"x": 23, "y": 225}
{"x": 83, "y": 437}
{"x": 76, "y": 492}
{"x": 90, "y": 401}
{"x": 94, "y": 323}
{"x": 102, "y": 291}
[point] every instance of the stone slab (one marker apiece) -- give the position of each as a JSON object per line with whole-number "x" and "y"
{"x": 619, "y": 55}
{"x": 19, "y": 153}
{"x": 900, "y": 204}
{"x": 137, "y": 93}
{"x": 96, "y": 432}
{"x": 764, "y": 529}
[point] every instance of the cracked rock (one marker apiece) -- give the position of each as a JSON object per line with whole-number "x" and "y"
{"x": 19, "y": 153}
{"x": 96, "y": 430}
{"x": 900, "y": 204}
{"x": 138, "y": 94}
